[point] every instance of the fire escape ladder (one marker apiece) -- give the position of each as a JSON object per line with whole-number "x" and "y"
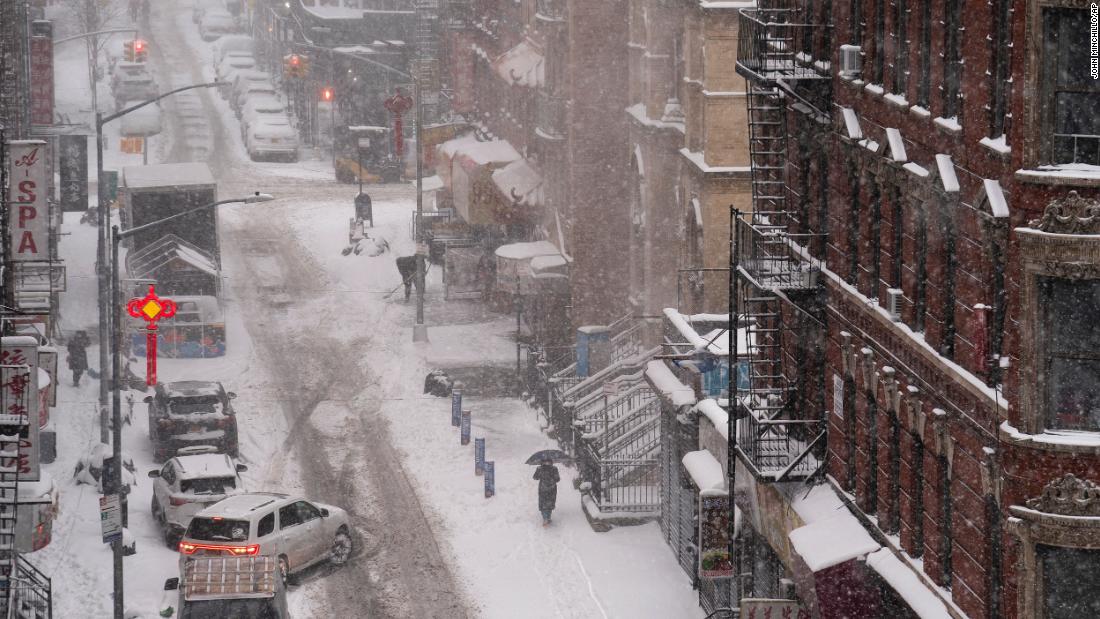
{"x": 767, "y": 155}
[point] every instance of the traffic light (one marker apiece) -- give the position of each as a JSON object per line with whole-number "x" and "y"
{"x": 135, "y": 51}
{"x": 327, "y": 94}
{"x": 295, "y": 65}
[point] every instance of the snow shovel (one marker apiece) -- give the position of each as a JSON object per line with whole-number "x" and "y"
{"x": 390, "y": 293}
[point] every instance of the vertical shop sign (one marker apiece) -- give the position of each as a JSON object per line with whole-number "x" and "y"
{"x": 41, "y": 84}
{"x": 479, "y": 456}
{"x": 29, "y": 221}
{"x": 464, "y": 430}
{"x": 490, "y": 479}
{"x": 74, "y": 172}
{"x": 19, "y": 401}
{"x": 456, "y": 406}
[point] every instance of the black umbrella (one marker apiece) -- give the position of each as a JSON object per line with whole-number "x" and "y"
{"x": 546, "y": 454}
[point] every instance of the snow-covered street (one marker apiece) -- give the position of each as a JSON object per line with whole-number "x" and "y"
{"x": 331, "y": 405}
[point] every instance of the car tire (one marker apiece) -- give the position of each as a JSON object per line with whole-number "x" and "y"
{"x": 342, "y": 547}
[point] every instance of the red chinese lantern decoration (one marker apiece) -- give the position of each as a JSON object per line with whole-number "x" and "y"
{"x": 151, "y": 308}
{"x": 398, "y": 105}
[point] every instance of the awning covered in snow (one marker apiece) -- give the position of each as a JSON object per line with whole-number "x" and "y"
{"x": 522, "y": 65}
{"x": 514, "y": 264}
{"x": 465, "y": 164}
{"x": 519, "y": 183}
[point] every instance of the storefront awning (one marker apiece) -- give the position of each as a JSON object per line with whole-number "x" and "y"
{"x": 520, "y": 183}
{"x": 522, "y": 65}
{"x": 514, "y": 264}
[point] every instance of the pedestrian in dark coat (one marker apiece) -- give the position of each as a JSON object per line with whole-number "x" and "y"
{"x": 406, "y": 265}
{"x": 78, "y": 356}
{"x": 548, "y": 477}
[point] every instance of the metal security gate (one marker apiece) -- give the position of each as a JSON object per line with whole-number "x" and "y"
{"x": 679, "y": 500}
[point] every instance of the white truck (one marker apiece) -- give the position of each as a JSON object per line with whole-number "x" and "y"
{"x": 226, "y": 588}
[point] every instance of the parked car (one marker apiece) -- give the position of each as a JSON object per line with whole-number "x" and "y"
{"x": 259, "y": 108}
{"x": 299, "y": 533}
{"x": 191, "y": 412}
{"x": 233, "y": 43}
{"x": 195, "y": 479}
{"x": 244, "y": 81}
{"x": 272, "y": 136}
{"x": 134, "y": 88}
{"x": 229, "y": 66}
{"x": 215, "y": 23}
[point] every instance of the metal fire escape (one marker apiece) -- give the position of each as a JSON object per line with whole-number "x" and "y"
{"x": 773, "y": 268}
{"x": 24, "y": 591}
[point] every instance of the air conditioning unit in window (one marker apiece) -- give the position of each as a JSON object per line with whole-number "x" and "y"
{"x": 893, "y": 303}
{"x": 851, "y": 61}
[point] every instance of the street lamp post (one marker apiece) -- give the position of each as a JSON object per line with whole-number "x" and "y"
{"x": 103, "y": 212}
{"x": 116, "y": 370}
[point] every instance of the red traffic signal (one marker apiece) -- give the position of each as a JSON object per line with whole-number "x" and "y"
{"x": 295, "y": 60}
{"x": 139, "y": 46}
{"x": 327, "y": 94}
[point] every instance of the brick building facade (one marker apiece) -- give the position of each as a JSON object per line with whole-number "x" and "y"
{"x": 936, "y": 259}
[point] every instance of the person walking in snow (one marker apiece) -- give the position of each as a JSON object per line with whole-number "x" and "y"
{"x": 548, "y": 477}
{"x": 78, "y": 356}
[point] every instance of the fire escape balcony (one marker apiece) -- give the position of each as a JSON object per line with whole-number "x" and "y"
{"x": 775, "y": 46}
{"x": 550, "y": 116}
{"x": 771, "y": 256}
{"x": 550, "y": 10}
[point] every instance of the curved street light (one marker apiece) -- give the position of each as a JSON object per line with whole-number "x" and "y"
{"x": 116, "y": 366}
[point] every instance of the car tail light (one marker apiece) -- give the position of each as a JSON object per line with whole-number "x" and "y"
{"x": 177, "y": 501}
{"x": 189, "y": 548}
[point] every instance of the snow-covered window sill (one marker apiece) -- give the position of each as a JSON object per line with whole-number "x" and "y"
{"x": 897, "y": 100}
{"x": 874, "y": 89}
{"x": 997, "y": 146}
{"x": 920, "y": 112}
{"x": 1060, "y": 441}
{"x": 1067, "y": 175}
{"x": 949, "y": 125}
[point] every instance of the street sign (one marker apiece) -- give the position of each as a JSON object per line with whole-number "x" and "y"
{"x": 610, "y": 388}
{"x": 110, "y": 518}
{"x": 464, "y": 431}
{"x": 422, "y": 249}
{"x": 456, "y": 406}
{"x": 131, "y": 145}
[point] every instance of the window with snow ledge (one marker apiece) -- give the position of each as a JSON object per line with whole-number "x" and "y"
{"x": 1059, "y": 343}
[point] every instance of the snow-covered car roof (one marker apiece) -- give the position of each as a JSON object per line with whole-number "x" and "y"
{"x": 125, "y": 66}
{"x": 190, "y": 388}
{"x": 255, "y": 104}
{"x": 239, "y": 59}
{"x": 243, "y": 505}
{"x": 216, "y": 15}
{"x": 201, "y": 466}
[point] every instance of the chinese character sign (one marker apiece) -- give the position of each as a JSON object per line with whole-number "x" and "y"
{"x": 759, "y": 608}
{"x": 73, "y": 155}
{"x": 42, "y": 99}
{"x": 29, "y": 221}
{"x": 19, "y": 401}
{"x": 151, "y": 308}
{"x": 714, "y": 550}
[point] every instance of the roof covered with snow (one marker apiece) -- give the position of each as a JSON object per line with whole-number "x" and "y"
{"x": 520, "y": 182}
{"x": 201, "y": 466}
{"x": 905, "y": 581}
{"x": 166, "y": 175}
{"x": 832, "y": 541}
{"x": 706, "y": 472}
{"x": 190, "y": 388}
{"x": 242, "y": 505}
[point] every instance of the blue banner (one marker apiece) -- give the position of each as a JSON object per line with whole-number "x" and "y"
{"x": 490, "y": 479}
{"x": 456, "y": 406}
{"x": 479, "y": 456}
{"x": 464, "y": 430}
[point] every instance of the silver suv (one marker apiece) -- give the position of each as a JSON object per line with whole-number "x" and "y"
{"x": 299, "y": 533}
{"x": 195, "y": 479}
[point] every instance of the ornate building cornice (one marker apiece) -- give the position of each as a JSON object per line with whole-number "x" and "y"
{"x": 1068, "y": 496}
{"x": 1070, "y": 215}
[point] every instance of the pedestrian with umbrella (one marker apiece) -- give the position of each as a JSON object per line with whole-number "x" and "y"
{"x": 548, "y": 478}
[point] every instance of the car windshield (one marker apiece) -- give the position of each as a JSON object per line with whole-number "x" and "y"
{"x": 230, "y": 609}
{"x": 218, "y": 530}
{"x": 194, "y": 404}
{"x": 209, "y": 485}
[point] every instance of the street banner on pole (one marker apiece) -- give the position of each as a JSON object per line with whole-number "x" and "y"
{"x": 464, "y": 430}
{"x": 714, "y": 550}
{"x": 110, "y": 518}
{"x": 456, "y": 406}
{"x": 74, "y": 172}
{"x": 479, "y": 456}
{"x": 490, "y": 479}
{"x": 41, "y": 83}
{"x": 29, "y": 221}
{"x": 19, "y": 394}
